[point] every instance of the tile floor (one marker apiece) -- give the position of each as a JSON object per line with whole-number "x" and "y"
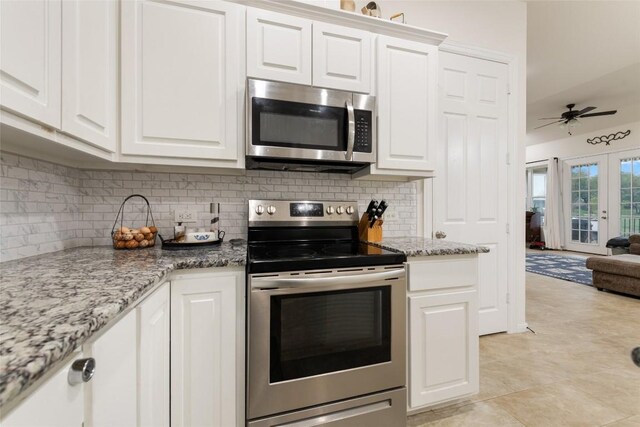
{"x": 575, "y": 371}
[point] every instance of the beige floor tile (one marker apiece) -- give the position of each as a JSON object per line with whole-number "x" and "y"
{"x": 475, "y": 414}
{"x": 558, "y": 405}
{"x": 614, "y": 388}
{"x": 627, "y": 422}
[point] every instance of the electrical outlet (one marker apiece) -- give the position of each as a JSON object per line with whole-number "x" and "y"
{"x": 390, "y": 214}
{"x": 185, "y": 216}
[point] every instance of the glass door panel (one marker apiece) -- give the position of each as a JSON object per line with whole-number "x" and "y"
{"x": 586, "y": 204}
{"x": 629, "y": 170}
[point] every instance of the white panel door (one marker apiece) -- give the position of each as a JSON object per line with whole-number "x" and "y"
{"x": 89, "y": 71}
{"x": 586, "y": 204}
{"x": 111, "y": 395}
{"x": 203, "y": 351}
{"x": 406, "y": 95}
{"x": 470, "y": 187}
{"x": 30, "y": 55}
{"x": 443, "y": 347}
{"x": 182, "y": 80}
{"x": 153, "y": 359}
{"x": 341, "y": 58}
{"x": 278, "y": 47}
{"x": 55, "y": 403}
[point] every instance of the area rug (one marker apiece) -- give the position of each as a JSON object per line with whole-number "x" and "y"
{"x": 562, "y": 267}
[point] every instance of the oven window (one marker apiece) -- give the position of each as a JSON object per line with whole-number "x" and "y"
{"x": 297, "y": 125}
{"x": 317, "y": 333}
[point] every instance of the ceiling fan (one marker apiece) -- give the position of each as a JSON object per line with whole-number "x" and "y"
{"x": 569, "y": 119}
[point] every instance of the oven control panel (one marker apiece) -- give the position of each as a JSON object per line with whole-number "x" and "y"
{"x": 302, "y": 212}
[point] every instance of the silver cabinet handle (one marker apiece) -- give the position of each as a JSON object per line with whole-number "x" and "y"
{"x": 81, "y": 371}
{"x": 351, "y": 136}
{"x": 270, "y": 283}
{"x": 440, "y": 234}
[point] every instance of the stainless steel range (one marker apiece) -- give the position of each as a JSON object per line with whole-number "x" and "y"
{"x": 326, "y": 337}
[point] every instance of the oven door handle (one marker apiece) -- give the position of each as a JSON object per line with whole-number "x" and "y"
{"x": 279, "y": 283}
{"x": 351, "y": 135}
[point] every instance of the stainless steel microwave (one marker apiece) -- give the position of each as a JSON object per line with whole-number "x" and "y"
{"x": 303, "y": 128}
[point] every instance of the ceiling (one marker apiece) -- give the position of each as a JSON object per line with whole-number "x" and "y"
{"x": 582, "y": 52}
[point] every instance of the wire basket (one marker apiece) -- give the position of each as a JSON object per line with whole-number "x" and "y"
{"x": 125, "y": 237}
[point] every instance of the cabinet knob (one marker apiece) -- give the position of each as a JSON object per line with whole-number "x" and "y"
{"x": 81, "y": 371}
{"x": 440, "y": 234}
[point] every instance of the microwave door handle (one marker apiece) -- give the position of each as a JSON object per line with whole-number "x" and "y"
{"x": 275, "y": 283}
{"x": 351, "y": 135}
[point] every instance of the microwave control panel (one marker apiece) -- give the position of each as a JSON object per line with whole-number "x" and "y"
{"x": 362, "y": 143}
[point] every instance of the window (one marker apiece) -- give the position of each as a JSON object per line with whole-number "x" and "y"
{"x": 630, "y": 196}
{"x": 537, "y": 189}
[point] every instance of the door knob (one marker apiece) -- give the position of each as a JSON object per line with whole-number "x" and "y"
{"x": 603, "y": 217}
{"x": 440, "y": 234}
{"x": 81, "y": 371}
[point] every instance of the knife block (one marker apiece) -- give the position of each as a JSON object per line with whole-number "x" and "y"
{"x": 370, "y": 234}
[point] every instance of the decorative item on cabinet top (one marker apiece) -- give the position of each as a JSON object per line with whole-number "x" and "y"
{"x": 348, "y": 5}
{"x": 371, "y": 9}
{"x": 125, "y": 237}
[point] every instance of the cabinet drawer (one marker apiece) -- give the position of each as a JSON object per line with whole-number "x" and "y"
{"x": 443, "y": 272}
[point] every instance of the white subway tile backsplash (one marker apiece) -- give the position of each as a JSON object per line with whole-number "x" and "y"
{"x": 47, "y": 207}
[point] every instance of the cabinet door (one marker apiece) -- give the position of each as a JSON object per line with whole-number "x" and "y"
{"x": 111, "y": 396}
{"x": 89, "y": 71}
{"x": 203, "y": 351}
{"x": 153, "y": 359}
{"x": 278, "y": 47}
{"x": 407, "y": 97}
{"x": 341, "y": 58}
{"x": 182, "y": 78}
{"x": 55, "y": 403}
{"x": 30, "y": 58}
{"x": 443, "y": 347}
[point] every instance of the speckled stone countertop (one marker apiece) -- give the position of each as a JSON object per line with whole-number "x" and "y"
{"x": 419, "y": 246}
{"x": 51, "y": 304}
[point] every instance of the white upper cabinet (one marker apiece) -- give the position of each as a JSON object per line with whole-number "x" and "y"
{"x": 406, "y": 97}
{"x": 182, "y": 77}
{"x": 341, "y": 58}
{"x": 89, "y": 71}
{"x": 30, "y": 58}
{"x": 278, "y": 47}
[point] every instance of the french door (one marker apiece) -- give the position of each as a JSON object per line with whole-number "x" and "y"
{"x": 585, "y": 204}
{"x": 624, "y": 193}
{"x": 601, "y": 199}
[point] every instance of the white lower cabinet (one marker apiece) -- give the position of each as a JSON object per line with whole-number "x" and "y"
{"x": 55, "y": 403}
{"x": 153, "y": 359}
{"x": 110, "y": 396}
{"x": 443, "y": 336}
{"x": 204, "y": 357}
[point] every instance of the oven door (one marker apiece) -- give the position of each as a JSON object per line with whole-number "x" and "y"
{"x": 322, "y": 336}
{"x": 289, "y": 121}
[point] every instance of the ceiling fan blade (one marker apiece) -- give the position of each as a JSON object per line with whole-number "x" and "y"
{"x": 549, "y": 124}
{"x": 602, "y": 113}
{"x": 550, "y": 118}
{"x": 583, "y": 111}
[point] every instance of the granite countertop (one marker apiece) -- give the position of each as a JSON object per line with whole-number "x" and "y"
{"x": 51, "y": 304}
{"x": 420, "y": 246}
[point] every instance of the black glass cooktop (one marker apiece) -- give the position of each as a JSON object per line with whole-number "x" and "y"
{"x": 271, "y": 257}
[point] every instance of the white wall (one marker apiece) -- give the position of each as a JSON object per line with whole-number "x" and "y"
{"x": 577, "y": 146}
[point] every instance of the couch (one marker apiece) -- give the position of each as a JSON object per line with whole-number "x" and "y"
{"x": 619, "y": 273}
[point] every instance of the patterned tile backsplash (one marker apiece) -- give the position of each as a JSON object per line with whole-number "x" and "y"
{"x": 46, "y": 207}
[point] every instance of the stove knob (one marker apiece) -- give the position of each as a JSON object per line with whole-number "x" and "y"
{"x": 340, "y": 210}
{"x": 271, "y": 210}
{"x": 330, "y": 210}
{"x": 350, "y": 210}
{"x": 259, "y": 209}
